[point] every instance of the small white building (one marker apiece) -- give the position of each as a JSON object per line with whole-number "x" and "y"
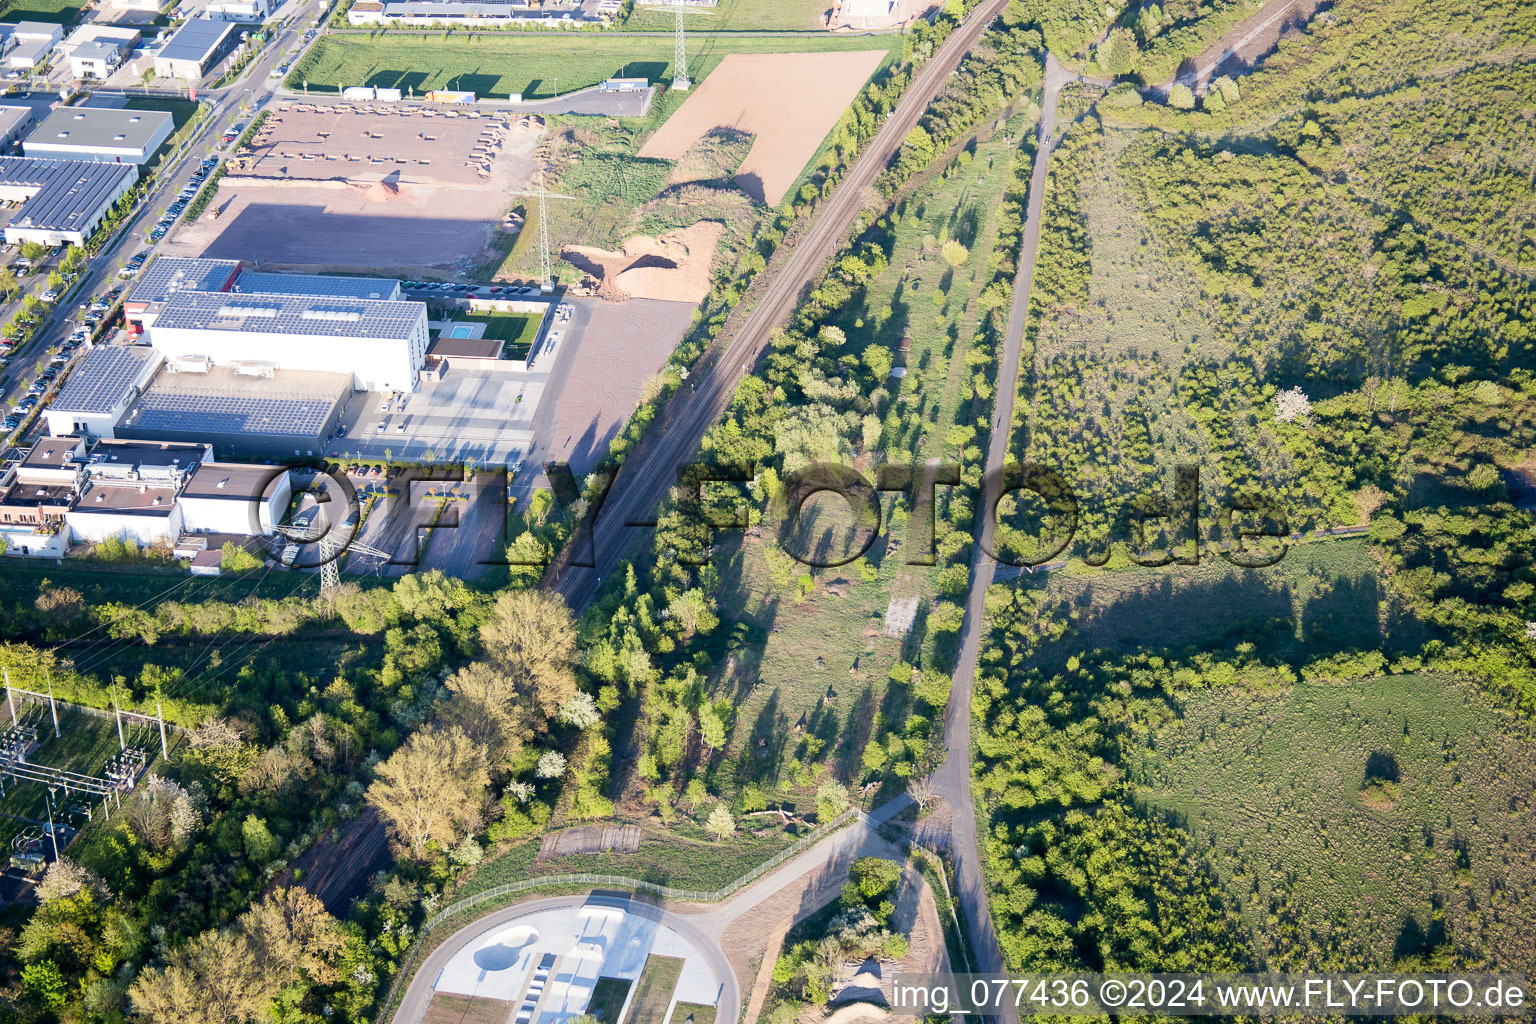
{"x": 30, "y": 42}
{"x": 100, "y": 390}
{"x": 232, "y": 497}
{"x": 242, "y": 11}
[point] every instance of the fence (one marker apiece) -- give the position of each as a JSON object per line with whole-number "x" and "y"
{"x": 407, "y": 964}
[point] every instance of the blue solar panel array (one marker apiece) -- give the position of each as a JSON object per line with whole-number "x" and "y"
{"x": 102, "y": 380}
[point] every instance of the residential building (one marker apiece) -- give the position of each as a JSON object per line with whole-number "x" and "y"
{"x": 95, "y": 51}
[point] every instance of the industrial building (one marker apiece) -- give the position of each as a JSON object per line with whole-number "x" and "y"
{"x": 245, "y": 410}
{"x": 488, "y": 13}
{"x": 62, "y": 201}
{"x": 96, "y": 51}
{"x": 100, "y": 390}
{"x": 247, "y": 11}
{"x": 14, "y": 123}
{"x": 238, "y": 498}
{"x": 28, "y": 43}
{"x": 165, "y": 276}
{"x": 107, "y": 134}
{"x": 380, "y": 345}
{"x": 197, "y": 46}
{"x": 129, "y": 490}
{"x": 35, "y": 494}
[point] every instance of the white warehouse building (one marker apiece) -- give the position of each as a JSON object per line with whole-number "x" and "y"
{"x": 381, "y": 343}
{"x": 238, "y": 498}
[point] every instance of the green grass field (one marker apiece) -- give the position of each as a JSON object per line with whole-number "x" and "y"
{"x": 515, "y": 331}
{"x": 57, "y": 11}
{"x": 1274, "y": 789}
{"x": 530, "y": 64}
{"x": 653, "y": 992}
{"x": 664, "y": 857}
{"x": 813, "y": 671}
{"x": 738, "y": 16}
{"x": 608, "y": 997}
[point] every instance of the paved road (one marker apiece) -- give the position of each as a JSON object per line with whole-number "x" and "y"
{"x": 953, "y": 779}
{"x": 648, "y": 474}
{"x": 414, "y": 1004}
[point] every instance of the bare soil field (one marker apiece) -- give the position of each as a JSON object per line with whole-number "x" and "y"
{"x": 623, "y": 347}
{"x": 326, "y": 188}
{"x": 789, "y": 101}
{"x": 673, "y": 268}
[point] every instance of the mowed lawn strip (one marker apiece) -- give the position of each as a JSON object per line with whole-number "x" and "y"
{"x": 532, "y": 65}
{"x": 693, "y": 1013}
{"x": 653, "y": 992}
{"x": 608, "y": 999}
{"x": 447, "y": 1008}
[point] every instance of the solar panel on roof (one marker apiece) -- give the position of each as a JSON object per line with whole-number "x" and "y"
{"x": 223, "y": 413}
{"x": 101, "y": 381}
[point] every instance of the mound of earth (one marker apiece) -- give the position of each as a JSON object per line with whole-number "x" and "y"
{"x": 379, "y": 191}
{"x": 674, "y": 267}
{"x": 714, "y": 158}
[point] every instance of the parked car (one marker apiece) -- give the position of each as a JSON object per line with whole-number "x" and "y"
{"x": 49, "y": 296}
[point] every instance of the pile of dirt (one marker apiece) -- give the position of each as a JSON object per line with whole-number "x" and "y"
{"x": 379, "y": 191}
{"x": 714, "y": 158}
{"x": 673, "y": 268}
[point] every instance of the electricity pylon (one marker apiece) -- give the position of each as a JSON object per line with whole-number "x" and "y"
{"x": 546, "y": 262}
{"x": 680, "y": 80}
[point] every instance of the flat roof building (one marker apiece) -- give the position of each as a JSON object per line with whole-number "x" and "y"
{"x": 380, "y": 344}
{"x": 28, "y": 42}
{"x": 197, "y": 46}
{"x": 167, "y": 275}
{"x": 62, "y": 201}
{"x": 100, "y": 390}
{"x": 287, "y": 414}
{"x": 381, "y": 288}
{"x": 234, "y": 497}
{"x": 95, "y": 51}
{"x": 107, "y": 134}
{"x": 14, "y": 123}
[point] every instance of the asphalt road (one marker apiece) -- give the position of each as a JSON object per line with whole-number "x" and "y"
{"x": 647, "y": 475}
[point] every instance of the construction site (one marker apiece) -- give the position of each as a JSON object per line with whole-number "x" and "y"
{"x": 410, "y": 188}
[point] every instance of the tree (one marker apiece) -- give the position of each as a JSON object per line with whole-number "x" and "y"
{"x": 33, "y": 251}
{"x": 711, "y": 729}
{"x": 261, "y": 845}
{"x": 1180, "y": 97}
{"x": 432, "y": 788}
{"x": 1292, "y": 405}
{"x": 720, "y": 823}
{"x": 954, "y": 253}
{"x": 491, "y": 709}
{"x": 831, "y": 800}
{"x": 580, "y": 711}
{"x": 234, "y": 558}
{"x": 551, "y": 765}
{"x": 531, "y": 636}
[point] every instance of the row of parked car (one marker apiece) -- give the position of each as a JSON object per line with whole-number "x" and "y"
{"x": 463, "y": 289}
{"x": 187, "y": 194}
{"x": 46, "y": 380}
